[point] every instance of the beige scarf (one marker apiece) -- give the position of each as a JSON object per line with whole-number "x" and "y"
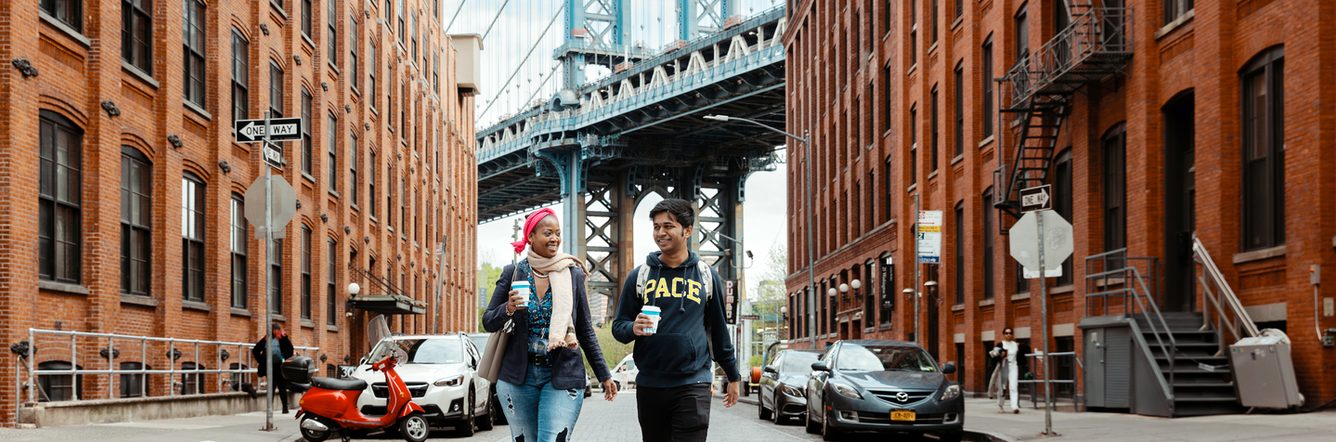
{"x": 558, "y": 269}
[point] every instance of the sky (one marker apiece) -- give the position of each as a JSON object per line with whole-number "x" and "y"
{"x": 510, "y": 83}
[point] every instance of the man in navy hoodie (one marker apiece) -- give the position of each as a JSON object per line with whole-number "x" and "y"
{"x": 673, "y": 387}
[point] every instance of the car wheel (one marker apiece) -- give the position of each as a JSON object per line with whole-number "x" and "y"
{"x": 777, "y": 413}
{"x": 468, "y": 425}
{"x": 315, "y": 435}
{"x": 414, "y": 428}
{"x": 812, "y": 427}
{"x": 485, "y": 421}
{"x": 828, "y": 433}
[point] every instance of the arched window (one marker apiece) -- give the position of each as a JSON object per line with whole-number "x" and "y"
{"x": 59, "y": 387}
{"x": 60, "y": 194}
{"x": 192, "y": 383}
{"x": 136, "y": 222}
{"x": 132, "y": 384}
{"x": 192, "y": 237}
{"x": 1263, "y": 81}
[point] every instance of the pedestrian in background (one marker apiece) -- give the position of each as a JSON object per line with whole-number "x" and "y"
{"x": 1007, "y": 373}
{"x": 274, "y": 349}
{"x": 673, "y": 352}
{"x": 542, "y": 376}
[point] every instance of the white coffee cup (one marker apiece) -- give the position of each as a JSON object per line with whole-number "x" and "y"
{"x": 522, "y": 287}
{"x": 654, "y": 314}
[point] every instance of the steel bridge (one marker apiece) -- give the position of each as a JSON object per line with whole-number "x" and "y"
{"x": 602, "y": 147}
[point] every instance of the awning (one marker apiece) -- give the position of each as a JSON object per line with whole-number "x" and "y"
{"x": 388, "y": 304}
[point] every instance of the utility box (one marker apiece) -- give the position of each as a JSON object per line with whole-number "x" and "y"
{"x": 468, "y": 62}
{"x": 1108, "y": 364}
{"x": 1264, "y": 371}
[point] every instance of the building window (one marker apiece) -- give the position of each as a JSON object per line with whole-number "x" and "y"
{"x": 59, "y": 199}
{"x": 331, "y": 152}
{"x": 960, "y": 10}
{"x": 192, "y": 383}
{"x": 1115, "y": 189}
{"x": 932, "y": 160}
{"x": 192, "y": 236}
{"x": 987, "y": 87}
{"x": 237, "y": 246}
{"x": 69, "y": 12}
{"x": 59, "y": 387}
{"x": 372, "y": 198}
{"x": 888, "y": 211}
{"x": 412, "y": 21}
{"x": 988, "y": 235}
{"x": 306, "y": 18}
{"x": 306, "y": 273}
{"x": 276, "y": 277}
{"x": 236, "y": 375}
{"x": 913, "y": 32}
{"x": 331, "y": 295}
{"x": 371, "y": 72}
{"x": 194, "y": 52}
{"x": 933, "y": 12}
{"x": 1173, "y": 9}
{"x": 353, "y": 70}
{"x": 389, "y": 197}
{"x": 136, "y": 224}
{"x": 1022, "y": 28}
{"x": 1062, "y": 202}
{"x": 913, "y": 144}
{"x": 1264, "y": 151}
{"x": 275, "y": 90}
{"x": 240, "y": 77}
{"x": 332, "y": 37}
{"x": 307, "y": 160}
{"x": 959, "y": 110}
{"x": 352, "y": 170}
{"x": 137, "y": 34}
{"x": 887, "y": 101}
{"x": 133, "y": 385}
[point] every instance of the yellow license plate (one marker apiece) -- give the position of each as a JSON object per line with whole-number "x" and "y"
{"x": 903, "y": 415}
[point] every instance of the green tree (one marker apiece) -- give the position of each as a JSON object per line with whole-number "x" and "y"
{"x": 613, "y": 350}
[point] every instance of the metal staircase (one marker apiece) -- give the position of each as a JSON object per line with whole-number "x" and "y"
{"x": 1201, "y": 379}
{"x": 1039, "y": 88}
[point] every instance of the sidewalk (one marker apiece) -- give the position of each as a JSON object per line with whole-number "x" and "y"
{"x": 982, "y": 416}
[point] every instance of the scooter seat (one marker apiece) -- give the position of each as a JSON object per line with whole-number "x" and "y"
{"x": 339, "y": 384}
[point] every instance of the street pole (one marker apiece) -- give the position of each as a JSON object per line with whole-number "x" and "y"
{"x": 917, "y": 294}
{"x": 268, "y": 284}
{"x": 811, "y": 244}
{"x": 1043, "y": 318}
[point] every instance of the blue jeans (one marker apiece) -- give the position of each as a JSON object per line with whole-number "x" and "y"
{"x": 536, "y": 412}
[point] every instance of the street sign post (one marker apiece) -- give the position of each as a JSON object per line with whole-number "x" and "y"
{"x": 930, "y": 237}
{"x": 280, "y": 205}
{"x": 1039, "y": 236}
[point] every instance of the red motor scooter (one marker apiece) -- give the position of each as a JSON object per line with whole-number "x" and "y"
{"x": 329, "y": 405}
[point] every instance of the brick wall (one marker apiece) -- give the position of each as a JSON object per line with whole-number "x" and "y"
{"x": 81, "y": 68}
{"x": 837, "y": 87}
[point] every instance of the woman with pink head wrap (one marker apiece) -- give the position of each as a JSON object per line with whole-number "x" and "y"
{"x": 542, "y": 367}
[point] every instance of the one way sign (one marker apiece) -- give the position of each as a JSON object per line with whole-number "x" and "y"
{"x": 1036, "y": 198}
{"x": 280, "y": 129}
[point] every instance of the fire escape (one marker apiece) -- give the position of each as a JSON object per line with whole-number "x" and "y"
{"x": 1039, "y": 88}
{"x": 381, "y": 295}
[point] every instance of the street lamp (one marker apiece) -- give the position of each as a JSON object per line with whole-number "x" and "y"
{"x": 807, "y": 207}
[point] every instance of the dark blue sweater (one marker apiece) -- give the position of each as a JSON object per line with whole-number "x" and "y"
{"x": 679, "y": 352}
{"x": 567, "y": 366}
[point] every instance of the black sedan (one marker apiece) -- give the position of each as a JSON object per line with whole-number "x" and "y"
{"x": 883, "y": 386}
{"x": 782, "y": 385}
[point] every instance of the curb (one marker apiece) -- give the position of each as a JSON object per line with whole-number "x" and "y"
{"x": 987, "y": 436}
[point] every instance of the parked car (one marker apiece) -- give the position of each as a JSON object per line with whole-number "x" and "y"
{"x": 783, "y": 384}
{"x": 480, "y": 342}
{"x": 885, "y": 387}
{"x": 625, "y": 372}
{"x": 441, "y": 374}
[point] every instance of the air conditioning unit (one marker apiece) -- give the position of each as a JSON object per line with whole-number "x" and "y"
{"x": 468, "y": 62}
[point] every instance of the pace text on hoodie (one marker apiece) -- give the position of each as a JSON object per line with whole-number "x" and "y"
{"x": 679, "y": 353}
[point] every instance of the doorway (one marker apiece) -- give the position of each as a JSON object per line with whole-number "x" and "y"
{"x": 1179, "y": 203}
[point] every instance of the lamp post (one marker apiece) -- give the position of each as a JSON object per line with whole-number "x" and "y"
{"x": 807, "y": 209}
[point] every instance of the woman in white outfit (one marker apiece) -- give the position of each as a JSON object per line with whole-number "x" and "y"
{"x": 1006, "y": 352}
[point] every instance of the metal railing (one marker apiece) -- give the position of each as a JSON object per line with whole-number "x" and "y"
{"x": 1093, "y": 31}
{"x": 150, "y": 349}
{"x": 1218, "y": 296}
{"x": 1113, "y": 273}
{"x": 1034, "y": 390}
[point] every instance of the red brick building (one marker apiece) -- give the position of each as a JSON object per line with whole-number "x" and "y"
{"x": 123, "y": 186}
{"x": 1212, "y": 120}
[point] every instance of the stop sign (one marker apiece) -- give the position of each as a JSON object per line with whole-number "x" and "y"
{"x": 1057, "y": 242}
{"x": 284, "y": 205}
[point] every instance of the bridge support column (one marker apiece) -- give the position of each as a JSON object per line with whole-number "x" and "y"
{"x": 608, "y": 218}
